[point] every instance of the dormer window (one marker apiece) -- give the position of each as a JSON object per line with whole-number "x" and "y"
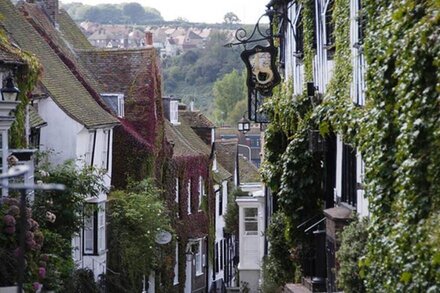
{"x": 115, "y": 102}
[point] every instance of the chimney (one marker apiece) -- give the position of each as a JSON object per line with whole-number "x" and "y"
{"x": 51, "y": 7}
{"x": 148, "y": 39}
{"x": 191, "y": 106}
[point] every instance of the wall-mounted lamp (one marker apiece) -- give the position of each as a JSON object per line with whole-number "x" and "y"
{"x": 9, "y": 91}
{"x": 244, "y": 125}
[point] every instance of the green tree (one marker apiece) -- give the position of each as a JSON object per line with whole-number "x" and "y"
{"x": 135, "y": 216}
{"x": 228, "y": 91}
{"x": 134, "y": 12}
{"x": 231, "y": 18}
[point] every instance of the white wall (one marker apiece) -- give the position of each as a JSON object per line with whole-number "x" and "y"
{"x": 60, "y": 134}
{"x": 71, "y": 140}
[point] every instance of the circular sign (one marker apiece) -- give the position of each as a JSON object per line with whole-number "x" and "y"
{"x": 163, "y": 237}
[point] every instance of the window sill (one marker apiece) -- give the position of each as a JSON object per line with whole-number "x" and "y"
{"x": 198, "y": 274}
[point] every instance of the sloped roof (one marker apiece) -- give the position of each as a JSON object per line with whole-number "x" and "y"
{"x": 227, "y": 154}
{"x": 65, "y": 89}
{"x": 35, "y": 120}
{"x": 66, "y": 39}
{"x": 72, "y": 32}
{"x": 116, "y": 69}
{"x": 6, "y": 56}
{"x": 196, "y": 119}
{"x": 187, "y": 143}
{"x": 193, "y": 36}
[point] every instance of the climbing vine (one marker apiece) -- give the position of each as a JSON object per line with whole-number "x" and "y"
{"x": 400, "y": 143}
{"x": 291, "y": 170}
{"x": 397, "y": 132}
{"x": 26, "y": 77}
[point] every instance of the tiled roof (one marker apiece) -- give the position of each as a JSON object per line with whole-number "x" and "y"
{"x": 6, "y": 56}
{"x": 187, "y": 143}
{"x": 196, "y": 119}
{"x": 63, "y": 38}
{"x": 117, "y": 69}
{"x": 72, "y": 32}
{"x": 226, "y": 155}
{"x": 63, "y": 86}
{"x": 35, "y": 120}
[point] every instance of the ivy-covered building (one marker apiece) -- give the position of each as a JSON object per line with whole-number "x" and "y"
{"x": 78, "y": 127}
{"x": 351, "y": 129}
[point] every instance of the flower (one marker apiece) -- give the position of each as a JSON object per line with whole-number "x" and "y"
{"x": 13, "y": 210}
{"x": 36, "y": 286}
{"x": 42, "y": 272}
{"x": 9, "y": 220}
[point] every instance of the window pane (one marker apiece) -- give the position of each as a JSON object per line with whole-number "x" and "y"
{"x": 251, "y": 212}
{"x": 88, "y": 234}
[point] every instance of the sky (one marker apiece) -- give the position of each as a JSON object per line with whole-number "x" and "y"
{"x": 209, "y": 11}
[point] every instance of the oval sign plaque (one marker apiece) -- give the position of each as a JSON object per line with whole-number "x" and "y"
{"x": 163, "y": 237}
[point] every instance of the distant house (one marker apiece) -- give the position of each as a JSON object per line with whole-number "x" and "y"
{"x": 249, "y": 144}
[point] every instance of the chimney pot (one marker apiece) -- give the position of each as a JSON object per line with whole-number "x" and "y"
{"x": 149, "y": 38}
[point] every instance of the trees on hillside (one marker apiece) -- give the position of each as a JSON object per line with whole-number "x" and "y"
{"x": 229, "y": 98}
{"x": 192, "y": 74}
{"x": 132, "y": 13}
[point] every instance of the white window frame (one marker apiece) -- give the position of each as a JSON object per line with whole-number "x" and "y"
{"x": 249, "y": 219}
{"x": 174, "y": 112}
{"x": 105, "y": 149}
{"x": 198, "y": 257}
{"x": 89, "y": 234}
{"x": 120, "y": 112}
{"x": 176, "y": 265}
{"x": 101, "y": 245}
{"x": 201, "y": 191}
{"x": 94, "y": 241}
{"x": 189, "y": 197}
{"x": 90, "y": 154}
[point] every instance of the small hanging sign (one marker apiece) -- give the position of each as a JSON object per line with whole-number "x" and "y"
{"x": 262, "y": 73}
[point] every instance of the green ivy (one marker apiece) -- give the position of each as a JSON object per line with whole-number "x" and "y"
{"x": 353, "y": 247}
{"x": 400, "y": 141}
{"x": 26, "y": 78}
{"x": 290, "y": 169}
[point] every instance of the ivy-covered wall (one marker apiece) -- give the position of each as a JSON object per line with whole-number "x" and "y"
{"x": 26, "y": 77}
{"x": 400, "y": 139}
{"x": 290, "y": 169}
{"x": 397, "y": 133}
{"x": 197, "y": 224}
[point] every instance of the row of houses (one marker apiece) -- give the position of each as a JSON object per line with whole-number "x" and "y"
{"x": 170, "y": 41}
{"x": 104, "y": 108}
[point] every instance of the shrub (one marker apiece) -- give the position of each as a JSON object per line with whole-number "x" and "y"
{"x": 353, "y": 248}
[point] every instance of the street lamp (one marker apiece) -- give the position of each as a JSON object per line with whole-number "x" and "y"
{"x": 244, "y": 125}
{"x": 9, "y": 91}
{"x": 8, "y": 103}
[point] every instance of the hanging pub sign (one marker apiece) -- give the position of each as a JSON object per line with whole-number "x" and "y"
{"x": 255, "y": 110}
{"x": 262, "y": 74}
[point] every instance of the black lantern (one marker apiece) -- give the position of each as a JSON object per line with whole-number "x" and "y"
{"x": 9, "y": 91}
{"x": 244, "y": 125}
{"x": 255, "y": 107}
